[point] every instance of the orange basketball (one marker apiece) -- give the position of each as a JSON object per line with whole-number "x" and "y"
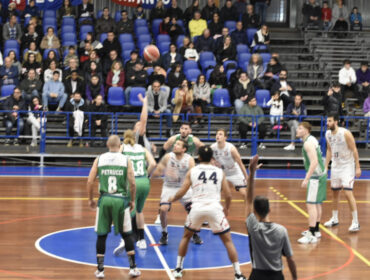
{"x": 151, "y": 53}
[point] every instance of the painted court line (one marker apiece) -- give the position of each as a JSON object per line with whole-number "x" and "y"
{"x": 159, "y": 253}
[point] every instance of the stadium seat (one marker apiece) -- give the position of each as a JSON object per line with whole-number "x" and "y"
{"x": 250, "y": 34}
{"x": 7, "y": 50}
{"x": 116, "y": 96}
{"x": 142, "y": 46}
{"x": 228, "y": 74}
{"x": 68, "y": 29}
{"x": 134, "y": 93}
{"x": 208, "y": 74}
{"x": 227, "y": 62}
{"x": 221, "y": 98}
{"x": 128, "y": 46}
{"x": 117, "y": 16}
{"x": 262, "y": 96}
{"x": 180, "y": 22}
{"x": 140, "y": 22}
{"x": 50, "y": 14}
{"x": 69, "y": 39}
{"x": 68, "y": 21}
{"x": 126, "y": 54}
{"x": 163, "y": 38}
{"x": 204, "y": 56}
{"x": 7, "y": 90}
{"x": 243, "y": 58}
{"x": 26, "y": 21}
{"x": 46, "y": 26}
{"x": 173, "y": 94}
{"x": 265, "y": 57}
{"x": 231, "y": 25}
{"x": 142, "y": 30}
{"x": 192, "y": 74}
{"x": 144, "y": 38}
{"x": 241, "y": 48}
{"x": 163, "y": 47}
{"x": 125, "y": 38}
{"x": 149, "y": 71}
{"x": 190, "y": 64}
{"x": 179, "y": 40}
{"x": 51, "y": 21}
{"x": 46, "y": 52}
{"x": 155, "y": 26}
{"x": 99, "y": 14}
{"x": 207, "y": 64}
{"x": 260, "y": 48}
{"x": 103, "y": 36}
{"x": 85, "y": 29}
{"x": 11, "y": 44}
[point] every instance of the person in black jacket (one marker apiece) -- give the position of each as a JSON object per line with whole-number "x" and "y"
{"x": 312, "y": 15}
{"x": 205, "y": 43}
{"x": 286, "y": 89}
{"x": 74, "y": 83}
{"x": 98, "y": 121}
{"x": 242, "y": 90}
{"x": 14, "y": 103}
{"x": 250, "y": 19}
{"x": 111, "y": 43}
{"x": 175, "y": 77}
{"x": 227, "y": 51}
{"x": 135, "y": 77}
{"x": 209, "y": 10}
{"x": 332, "y": 101}
{"x": 174, "y": 11}
{"x": 229, "y": 12}
{"x": 218, "y": 77}
{"x": 216, "y": 25}
{"x": 85, "y": 9}
{"x": 158, "y": 12}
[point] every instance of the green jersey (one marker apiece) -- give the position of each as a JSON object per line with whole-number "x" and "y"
{"x": 320, "y": 169}
{"x": 112, "y": 171}
{"x": 191, "y": 144}
{"x": 137, "y": 156}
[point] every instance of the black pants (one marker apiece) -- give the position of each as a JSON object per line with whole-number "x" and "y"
{"x": 102, "y": 127}
{"x": 244, "y": 128}
{"x": 258, "y": 274}
{"x": 202, "y": 104}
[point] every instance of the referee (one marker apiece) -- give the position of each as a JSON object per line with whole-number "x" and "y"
{"x": 267, "y": 241}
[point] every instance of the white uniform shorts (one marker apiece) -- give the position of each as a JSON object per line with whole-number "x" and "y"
{"x": 237, "y": 179}
{"x": 167, "y": 193}
{"x": 343, "y": 177}
{"x": 212, "y": 213}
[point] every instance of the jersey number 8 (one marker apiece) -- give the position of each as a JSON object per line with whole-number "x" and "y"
{"x": 112, "y": 184}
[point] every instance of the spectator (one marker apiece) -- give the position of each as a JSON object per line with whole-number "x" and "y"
{"x": 347, "y": 79}
{"x": 158, "y": 74}
{"x": 234, "y": 79}
{"x": 71, "y": 55}
{"x": 98, "y": 121}
{"x": 215, "y": 26}
{"x": 185, "y": 45}
{"x": 363, "y": 81}
{"x": 183, "y": 100}
{"x": 13, "y": 9}
{"x": 33, "y": 49}
{"x": 209, "y": 10}
{"x": 12, "y": 30}
{"x": 14, "y": 103}
{"x": 157, "y": 102}
{"x": 8, "y": 73}
{"x": 171, "y": 58}
{"x": 227, "y": 52}
{"x": 94, "y": 88}
{"x": 261, "y": 9}
{"x": 366, "y": 106}
{"x": 174, "y": 11}
{"x": 333, "y": 100}
{"x": 218, "y": 78}
{"x": 242, "y": 91}
{"x": 108, "y": 62}
{"x": 285, "y": 88}
{"x": 51, "y": 57}
{"x": 261, "y": 37}
{"x": 14, "y": 61}
{"x": 326, "y": 15}
{"x": 116, "y": 76}
{"x": 49, "y": 73}
{"x": 72, "y": 66}
{"x": 76, "y": 120}
{"x": 74, "y": 83}
{"x": 93, "y": 69}
{"x": 197, "y": 25}
{"x": 355, "y": 20}
{"x": 31, "y": 86}
{"x": 53, "y": 90}
{"x": 202, "y": 97}
{"x": 136, "y": 77}
{"x": 105, "y": 24}
{"x": 176, "y": 76}
{"x": 238, "y": 36}
{"x": 205, "y": 42}
{"x": 36, "y": 22}
{"x": 134, "y": 58}
{"x": 125, "y": 25}
{"x": 50, "y": 40}
{"x": 276, "y": 110}
{"x": 93, "y": 57}
{"x": 30, "y": 36}
{"x": 174, "y": 30}
{"x": 248, "y": 122}
{"x": 339, "y": 16}
{"x": 311, "y": 15}
{"x": 219, "y": 42}
{"x": 139, "y": 13}
{"x": 158, "y": 12}
{"x": 250, "y": 19}
{"x": 111, "y": 43}
{"x": 190, "y": 11}
{"x": 228, "y": 11}
{"x": 95, "y": 44}
{"x": 67, "y": 10}
{"x": 31, "y": 10}
{"x": 255, "y": 70}
{"x": 272, "y": 70}
{"x": 165, "y": 25}
{"x": 85, "y": 52}
{"x": 34, "y": 118}
{"x": 191, "y": 53}
{"x": 85, "y": 9}
{"x": 296, "y": 109}
{"x": 240, "y": 6}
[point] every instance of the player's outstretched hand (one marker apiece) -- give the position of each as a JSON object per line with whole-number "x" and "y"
{"x": 304, "y": 183}
{"x": 358, "y": 172}
{"x": 92, "y": 204}
{"x": 253, "y": 164}
{"x": 141, "y": 98}
{"x": 132, "y": 205}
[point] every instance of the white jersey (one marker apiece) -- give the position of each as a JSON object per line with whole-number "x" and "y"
{"x": 225, "y": 159}
{"x": 340, "y": 153}
{"x": 176, "y": 170}
{"x": 206, "y": 181}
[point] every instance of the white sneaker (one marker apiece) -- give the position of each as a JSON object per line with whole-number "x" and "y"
{"x": 317, "y": 233}
{"x": 141, "y": 244}
{"x": 177, "y": 273}
{"x": 158, "y": 219}
{"x": 354, "y": 227}
{"x": 307, "y": 239}
{"x": 261, "y": 146}
{"x": 99, "y": 274}
{"x": 120, "y": 248}
{"x": 290, "y": 147}
{"x": 332, "y": 222}
{"x": 134, "y": 272}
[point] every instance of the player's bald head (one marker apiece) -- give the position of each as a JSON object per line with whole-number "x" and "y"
{"x": 113, "y": 142}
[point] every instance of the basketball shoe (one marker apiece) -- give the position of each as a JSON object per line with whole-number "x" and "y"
{"x": 120, "y": 248}
{"x": 99, "y": 274}
{"x": 134, "y": 272}
{"x": 141, "y": 244}
{"x": 354, "y": 227}
{"x": 308, "y": 239}
{"x": 317, "y": 233}
{"x": 164, "y": 238}
{"x": 177, "y": 273}
{"x": 240, "y": 277}
{"x": 332, "y": 222}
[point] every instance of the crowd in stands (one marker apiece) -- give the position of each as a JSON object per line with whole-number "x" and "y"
{"x": 75, "y": 62}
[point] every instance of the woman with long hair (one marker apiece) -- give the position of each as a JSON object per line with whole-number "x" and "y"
{"x": 32, "y": 48}
{"x": 52, "y": 56}
{"x": 183, "y": 100}
{"x": 227, "y": 52}
{"x": 15, "y": 61}
{"x": 93, "y": 69}
{"x": 31, "y": 63}
{"x": 218, "y": 77}
{"x": 94, "y": 88}
{"x": 202, "y": 96}
{"x": 189, "y": 12}
{"x": 116, "y": 76}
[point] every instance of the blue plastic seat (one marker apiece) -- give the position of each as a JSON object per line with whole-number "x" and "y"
{"x": 69, "y": 39}
{"x": 84, "y": 29}
{"x": 7, "y": 50}
{"x": 125, "y": 38}
{"x": 103, "y": 36}
{"x": 204, "y": 56}
{"x": 190, "y": 64}
{"x": 208, "y": 74}
{"x": 155, "y": 26}
{"x": 207, "y": 64}
{"x": 144, "y": 38}
{"x": 116, "y": 96}
{"x": 250, "y": 34}
{"x": 68, "y": 21}
{"x": 173, "y": 94}
{"x": 265, "y": 57}
{"x": 142, "y": 30}
{"x": 228, "y": 74}
{"x": 230, "y": 24}
{"x": 179, "y": 40}
{"x": 128, "y": 46}
{"x": 68, "y": 29}
{"x": 50, "y": 14}
{"x": 117, "y": 16}
{"x": 7, "y": 90}
{"x": 46, "y": 52}
{"x": 243, "y": 58}
{"x": 47, "y": 25}
{"x": 192, "y": 74}
{"x": 221, "y": 98}
{"x": 262, "y": 97}
{"x": 227, "y": 62}
{"x": 241, "y": 48}
{"x": 99, "y": 14}
{"x": 163, "y": 47}
{"x": 13, "y": 44}
{"x": 140, "y": 22}
{"x": 260, "y": 48}
{"x": 163, "y": 38}
{"x": 126, "y": 54}
{"x": 134, "y": 93}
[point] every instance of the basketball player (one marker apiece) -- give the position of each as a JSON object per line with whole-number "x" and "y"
{"x": 206, "y": 182}
{"x": 174, "y": 166}
{"x": 228, "y": 158}
{"x": 315, "y": 182}
{"x": 139, "y": 157}
{"x": 115, "y": 172}
{"x": 342, "y": 151}
{"x": 268, "y": 241}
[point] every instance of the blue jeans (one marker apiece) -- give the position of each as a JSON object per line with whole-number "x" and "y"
{"x": 61, "y": 99}
{"x": 260, "y": 9}
{"x": 238, "y": 105}
{"x": 10, "y": 124}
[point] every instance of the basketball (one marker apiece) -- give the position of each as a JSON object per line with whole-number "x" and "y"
{"x": 151, "y": 53}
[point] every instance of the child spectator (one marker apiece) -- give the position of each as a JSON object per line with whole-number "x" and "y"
{"x": 276, "y": 110}
{"x": 355, "y": 20}
{"x": 326, "y": 16}
{"x": 71, "y": 54}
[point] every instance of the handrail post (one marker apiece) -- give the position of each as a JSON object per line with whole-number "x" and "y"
{"x": 254, "y": 131}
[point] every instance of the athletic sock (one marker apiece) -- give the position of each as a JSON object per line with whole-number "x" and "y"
{"x": 141, "y": 233}
{"x": 354, "y": 217}
{"x": 312, "y": 230}
{"x": 164, "y": 229}
{"x": 317, "y": 228}
{"x": 236, "y": 267}
{"x": 180, "y": 262}
{"x": 335, "y": 215}
{"x": 100, "y": 261}
{"x": 131, "y": 259}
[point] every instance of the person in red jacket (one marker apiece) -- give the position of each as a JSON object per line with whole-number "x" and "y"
{"x": 116, "y": 76}
{"x": 326, "y": 15}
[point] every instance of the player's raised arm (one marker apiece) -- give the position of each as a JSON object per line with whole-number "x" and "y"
{"x": 90, "y": 182}
{"x": 311, "y": 152}
{"x": 144, "y": 114}
{"x": 227, "y": 194}
{"x": 132, "y": 182}
{"x": 169, "y": 143}
{"x": 151, "y": 162}
{"x": 328, "y": 155}
{"x": 250, "y": 190}
{"x": 184, "y": 188}
{"x": 352, "y": 146}
{"x": 197, "y": 142}
{"x": 161, "y": 167}
{"x": 236, "y": 156}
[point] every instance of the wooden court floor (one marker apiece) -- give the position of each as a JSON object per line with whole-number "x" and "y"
{"x": 34, "y": 206}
